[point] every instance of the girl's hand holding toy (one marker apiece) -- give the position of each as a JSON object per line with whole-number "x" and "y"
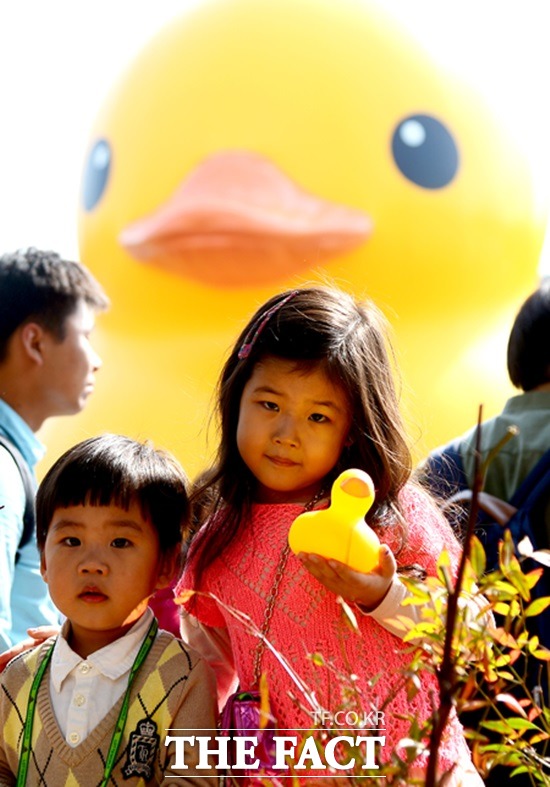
{"x": 338, "y": 547}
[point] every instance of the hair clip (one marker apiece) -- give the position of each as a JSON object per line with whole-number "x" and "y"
{"x": 252, "y": 336}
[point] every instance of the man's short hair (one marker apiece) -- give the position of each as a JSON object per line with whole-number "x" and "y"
{"x": 529, "y": 343}
{"x": 40, "y": 286}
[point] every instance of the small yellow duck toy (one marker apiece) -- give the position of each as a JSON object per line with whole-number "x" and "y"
{"x": 340, "y": 531}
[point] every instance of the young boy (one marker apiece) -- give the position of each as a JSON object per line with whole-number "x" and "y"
{"x": 109, "y": 688}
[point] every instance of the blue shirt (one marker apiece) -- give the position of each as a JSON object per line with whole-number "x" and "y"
{"x": 530, "y": 413}
{"x": 24, "y": 597}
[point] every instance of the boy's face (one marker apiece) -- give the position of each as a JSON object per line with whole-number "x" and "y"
{"x": 101, "y": 564}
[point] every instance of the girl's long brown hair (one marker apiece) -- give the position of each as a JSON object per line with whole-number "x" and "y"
{"x": 318, "y": 327}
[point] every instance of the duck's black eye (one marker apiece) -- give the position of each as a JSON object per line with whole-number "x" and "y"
{"x": 96, "y": 174}
{"x": 425, "y": 151}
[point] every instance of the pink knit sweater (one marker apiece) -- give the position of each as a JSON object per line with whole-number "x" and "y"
{"x": 308, "y": 619}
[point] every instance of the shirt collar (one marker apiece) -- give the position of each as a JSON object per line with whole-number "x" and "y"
{"x": 112, "y": 661}
{"x": 529, "y": 400}
{"x": 20, "y": 433}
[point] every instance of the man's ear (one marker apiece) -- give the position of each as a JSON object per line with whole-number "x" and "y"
{"x": 170, "y": 564}
{"x": 43, "y": 569}
{"x": 32, "y": 339}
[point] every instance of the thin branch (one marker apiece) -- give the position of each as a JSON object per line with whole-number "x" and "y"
{"x": 446, "y": 673}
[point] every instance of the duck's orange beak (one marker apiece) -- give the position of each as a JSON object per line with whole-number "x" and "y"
{"x": 238, "y": 221}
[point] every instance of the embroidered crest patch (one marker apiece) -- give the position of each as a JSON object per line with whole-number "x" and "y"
{"x": 141, "y": 750}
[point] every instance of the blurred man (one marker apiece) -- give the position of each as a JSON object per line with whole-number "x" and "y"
{"x": 47, "y": 368}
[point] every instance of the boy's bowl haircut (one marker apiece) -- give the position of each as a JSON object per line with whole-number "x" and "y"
{"x": 115, "y": 470}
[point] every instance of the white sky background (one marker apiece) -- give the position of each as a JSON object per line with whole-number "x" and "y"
{"x": 58, "y": 60}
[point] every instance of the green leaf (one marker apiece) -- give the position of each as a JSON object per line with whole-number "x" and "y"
{"x": 184, "y": 596}
{"x": 518, "y": 770}
{"x": 496, "y": 726}
{"x": 522, "y": 724}
{"x": 416, "y": 589}
{"x": 504, "y": 637}
{"x": 349, "y": 614}
{"x": 503, "y": 588}
{"x": 477, "y": 556}
{"x": 537, "y": 606}
{"x": 532, "y": 577}
{"x": 445, "y": 574}
{"x": 505, "y": 550}
{"x": 517, "y": 578}
{"x": 415, "y": 601}
{"x": 444, "y": 559}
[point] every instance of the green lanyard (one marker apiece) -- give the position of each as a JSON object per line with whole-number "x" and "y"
{"x": 119, "y": 726}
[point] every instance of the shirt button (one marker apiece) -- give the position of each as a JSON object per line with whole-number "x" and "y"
{"x": 79, "y": 700}
{"x": 74, "y": 737}
{"x": 85, "y": 668}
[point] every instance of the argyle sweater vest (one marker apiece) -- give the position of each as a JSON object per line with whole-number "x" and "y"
{"x": 174, "y": 690}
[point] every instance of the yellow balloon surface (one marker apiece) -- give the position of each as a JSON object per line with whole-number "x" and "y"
{"x": 340, "y": 531}
{"x": 255, "y": 146}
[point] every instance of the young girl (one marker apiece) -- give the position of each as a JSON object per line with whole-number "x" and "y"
{"x": 307, "y": 392}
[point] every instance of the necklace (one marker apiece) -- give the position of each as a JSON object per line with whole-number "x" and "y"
{"x": 272, "y": 598}
{"x": 120, "y": 723}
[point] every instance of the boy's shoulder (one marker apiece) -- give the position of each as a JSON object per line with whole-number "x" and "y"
{"x": 176, "y": 672}
{"x": 168, "y": 649}
{"x": 25, "y": 665}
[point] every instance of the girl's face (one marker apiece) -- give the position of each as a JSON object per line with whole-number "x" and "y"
{"x": 292, "y": 429}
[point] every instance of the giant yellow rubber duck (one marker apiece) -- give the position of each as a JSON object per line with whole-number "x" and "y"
{"x": 253, "y": 146}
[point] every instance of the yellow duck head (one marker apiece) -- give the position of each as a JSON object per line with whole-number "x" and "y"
{"x": 340, "y": 531}
{"x": 254, "y": 146}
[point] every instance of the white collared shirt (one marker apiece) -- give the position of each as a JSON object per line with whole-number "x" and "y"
{"x": 83, "y": 691}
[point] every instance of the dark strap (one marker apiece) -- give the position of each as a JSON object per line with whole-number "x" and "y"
{"x": 29, "y": 485}
{"x": 535, "y": 484}
{"x": 496, "y": 509}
